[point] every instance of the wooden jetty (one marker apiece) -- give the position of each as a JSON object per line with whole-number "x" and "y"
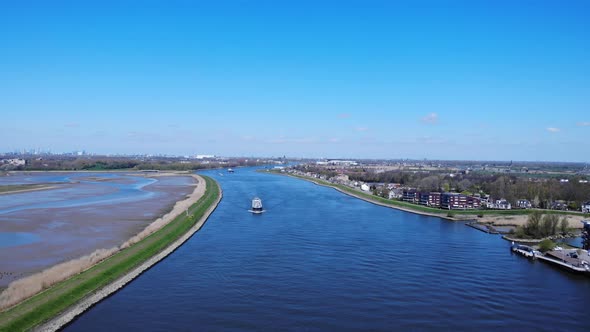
{"x": 562, "y": 259}
{"x": 484, "y": 228}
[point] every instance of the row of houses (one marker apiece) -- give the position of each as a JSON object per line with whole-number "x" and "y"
{"x": 448, "y": 200}
{"x": 451, "y": 200}
{"x": 457, "y": 201}
{"x": 556, "y": 205}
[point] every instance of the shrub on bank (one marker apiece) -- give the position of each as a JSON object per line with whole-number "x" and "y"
{"x": 564, "y": 226}
{"x": 546, "y": 245}
{"x": 520, "y": 233}
{"x": 539, "y": 225}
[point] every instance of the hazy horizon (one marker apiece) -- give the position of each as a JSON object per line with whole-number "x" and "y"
{"x": 462, "y": 80}
{"x": 289, "y": 157}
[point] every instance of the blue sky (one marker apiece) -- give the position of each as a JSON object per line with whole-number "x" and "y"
{"x": 493, "y": 80}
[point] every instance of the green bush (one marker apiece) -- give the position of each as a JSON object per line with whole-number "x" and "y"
{"x": 540, "y": 226}
{"x": 520, "y": 232}
{"x": 533, "y": 225}
{"x": 546, "y": 245}
{"x": 451, "y": 214}
{"x": 564, "y": 225}
{"x": 549, "y": 224}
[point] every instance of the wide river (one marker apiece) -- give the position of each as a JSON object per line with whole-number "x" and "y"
{"x": 321, "y": 260}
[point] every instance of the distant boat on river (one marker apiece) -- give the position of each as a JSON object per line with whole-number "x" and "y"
{"x": 229, "y": 170}
{"x": 257, "y": 206}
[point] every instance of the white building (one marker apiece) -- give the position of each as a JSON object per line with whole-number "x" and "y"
{"x": 342, "y": 162}
{"x": 14, "y": 162}
{"x": 503, "y": 204}
{"x": 395, "y": 193}
{"x": 524, "y": 204}
{"x": 365, "y": 187}
{"x": 500, "y": 204}
{"x": 341, "y": 178}
{"x": 204, "y": 156}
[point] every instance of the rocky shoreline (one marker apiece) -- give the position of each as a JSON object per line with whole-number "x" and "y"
{"x": 552, "y": 238}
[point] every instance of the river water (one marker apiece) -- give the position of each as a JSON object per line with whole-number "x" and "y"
{"x": 321, "y": 260}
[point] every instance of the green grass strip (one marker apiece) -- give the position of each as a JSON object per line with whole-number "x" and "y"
{"x": 46, "y": 305}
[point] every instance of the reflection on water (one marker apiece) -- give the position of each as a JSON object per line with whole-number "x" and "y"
{"x": 574, "y": 242}
{"x": 17, "y": 239}
{"x": 91, "y": 192}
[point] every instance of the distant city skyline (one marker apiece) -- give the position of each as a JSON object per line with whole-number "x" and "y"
{"x": 456, "y": 80}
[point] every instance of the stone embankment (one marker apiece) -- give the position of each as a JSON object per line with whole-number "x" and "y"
{"x": 552, "y": 238}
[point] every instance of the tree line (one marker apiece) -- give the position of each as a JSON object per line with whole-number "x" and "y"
{"x": 121, "y": 163}
{"x": 541, "y": 192}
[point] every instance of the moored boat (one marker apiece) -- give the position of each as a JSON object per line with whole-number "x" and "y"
{"x": 526, "y": 251}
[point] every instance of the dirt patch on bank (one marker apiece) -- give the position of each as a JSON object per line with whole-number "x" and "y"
{"x": 521, "y": 220}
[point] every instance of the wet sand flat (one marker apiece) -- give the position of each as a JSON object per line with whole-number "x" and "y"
{"x": 4, "y": 190}
{"x": 75, "y": 219}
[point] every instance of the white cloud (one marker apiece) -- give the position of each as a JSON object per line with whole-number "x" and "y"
{"x": 553, "y": 130}
{"x": 584, "y": 124}
{"x": 431, "y": 118}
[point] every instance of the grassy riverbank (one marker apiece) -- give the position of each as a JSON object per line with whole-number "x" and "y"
{"x": 421, "y": 209}
{"x": 59, "y": 297}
